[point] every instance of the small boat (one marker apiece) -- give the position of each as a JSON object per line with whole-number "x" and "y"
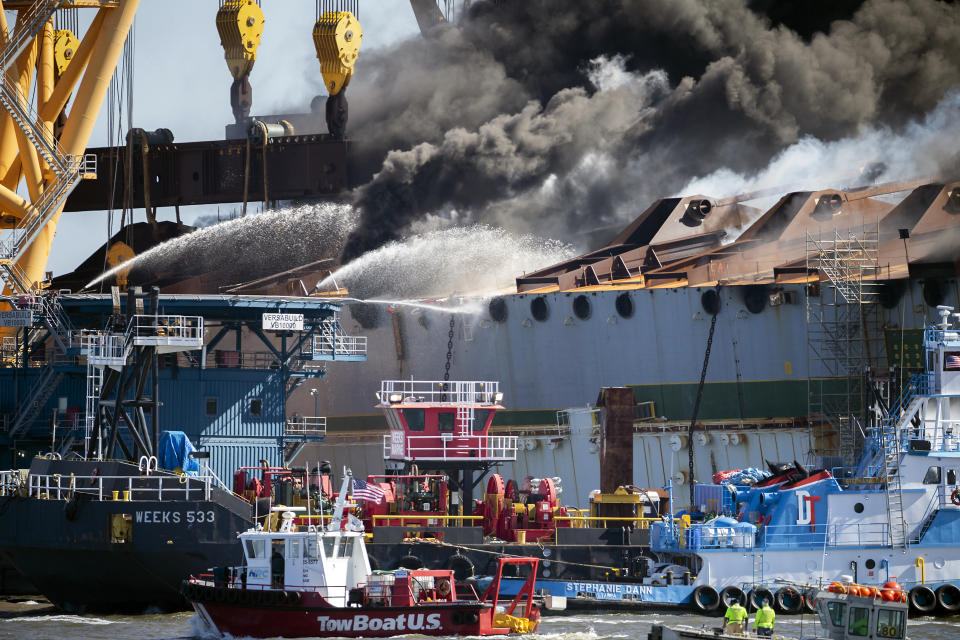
{"x": 316, "y": 582}
{"x": 843, "y": 616}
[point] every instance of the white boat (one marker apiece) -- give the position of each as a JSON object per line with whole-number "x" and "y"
{"x": 895, "y": 515}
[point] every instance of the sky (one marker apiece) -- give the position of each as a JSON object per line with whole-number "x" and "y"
{"x": 182, "y": 83}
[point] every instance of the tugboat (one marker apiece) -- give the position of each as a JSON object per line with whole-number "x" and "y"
{"x": 844, "y": 615}
{"x": 893, "y": 516}
{"x": 317, "y": 582}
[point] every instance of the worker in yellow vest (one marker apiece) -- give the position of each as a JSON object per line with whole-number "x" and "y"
{"x": 763, "y": 621}
{"x": 735, "y": 619}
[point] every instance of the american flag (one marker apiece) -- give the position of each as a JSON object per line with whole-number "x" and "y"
{"x": 953, "y": 363}
{"x": 369, "y": 492}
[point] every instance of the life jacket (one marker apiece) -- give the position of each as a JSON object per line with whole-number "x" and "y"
{"x": 764, "y": 618}
{"x": 735, "y": 613}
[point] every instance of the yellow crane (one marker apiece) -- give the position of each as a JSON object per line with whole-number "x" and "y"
{"x": 42, "y": 148}
{"x": 58, "y": 65}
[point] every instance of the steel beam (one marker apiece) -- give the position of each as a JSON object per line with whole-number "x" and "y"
{"x": 211, "y": 172}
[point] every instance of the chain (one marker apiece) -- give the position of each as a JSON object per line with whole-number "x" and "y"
{"x": 446, "y": 372}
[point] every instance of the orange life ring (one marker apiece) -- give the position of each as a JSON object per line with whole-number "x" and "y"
{"x": 955, "y": 497}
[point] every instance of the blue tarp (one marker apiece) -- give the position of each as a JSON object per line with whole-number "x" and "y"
{"x": 749, "y": 476}
{"x": 175, "y": 449}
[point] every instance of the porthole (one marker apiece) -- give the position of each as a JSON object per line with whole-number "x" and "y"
{"x": 710, "y": 301}
{"x": 498, "y": 309}
{"x": 932, "y": 292}
{"x": 539, "y": 309}
{"x": 858, "y": 507}
{"x": 581, "y": 307}
{"x": 870, "y": 564}
{"x": 755, "y": 298}
{"x": 891, "y": 292}
{"x": 624, "y": 305}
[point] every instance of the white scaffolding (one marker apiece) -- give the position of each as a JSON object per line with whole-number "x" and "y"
{"x": 843, "y": 334}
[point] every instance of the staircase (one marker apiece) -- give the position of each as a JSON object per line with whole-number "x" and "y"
{"x": 839, "y": 280}
{"x": 37, "y": 399}
{"x": 29, "y": 23}
{"x": 892, "y": 433}
{"x": 332, "y": 344}
{"x": 932, "y": 510}
{"x": 57, "y": 323}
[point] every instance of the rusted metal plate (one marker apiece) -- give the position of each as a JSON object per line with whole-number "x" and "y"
{"x": 616, "y": 438}
{"x": 297, "y": 168}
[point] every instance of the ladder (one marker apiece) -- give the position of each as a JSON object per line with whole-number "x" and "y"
{"x": 466, "y": 397}
{"x": 37, "y": 399}
{"x": 891, "y": 433}
{"x": 757, "y": 569}
{"x": 91, "y": 406}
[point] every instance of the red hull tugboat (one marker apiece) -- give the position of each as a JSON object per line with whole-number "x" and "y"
{"x": 316, "y": 582}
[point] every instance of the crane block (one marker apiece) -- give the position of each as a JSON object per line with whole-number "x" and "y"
{"x": 337, "y": 37}
{"x": 240, "y": 25}
{"x": 65, "y": 45}
{"x": 118, "y": 253}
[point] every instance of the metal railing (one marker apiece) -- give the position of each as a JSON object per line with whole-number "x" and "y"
{"x": 27, "y": 119}
{"x": 449, "y": 447}
{"x": 11, "y": 482}
{"x": 581, "y": 418}
{"x": 933, "y": 337}
{"x": 57, "y": 322}
{"x": 440, "y": 392}
{"x": 887, "y": 433}
{"x": 29, "y": 23}
{"x": 307, "y": 426}
{"x": 88, "y": 165}
{"x": 581, "y": 521}
{"x": 152, "y": 488}
{"x": 227, "y": 359}
{"x": 167, "y": 330}
{"x": 939, "y": 500}
{"x": 105, "y": 348}
{"x": 381, "y": 593}
{"x": 426, "y": 519}
{"x": 706, "y": 536}
{"x": 8, "y": 348}
{"x": 338, "y": 344}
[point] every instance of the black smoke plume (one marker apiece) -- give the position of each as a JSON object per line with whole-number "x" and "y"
{"x": 556, "y": 116}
